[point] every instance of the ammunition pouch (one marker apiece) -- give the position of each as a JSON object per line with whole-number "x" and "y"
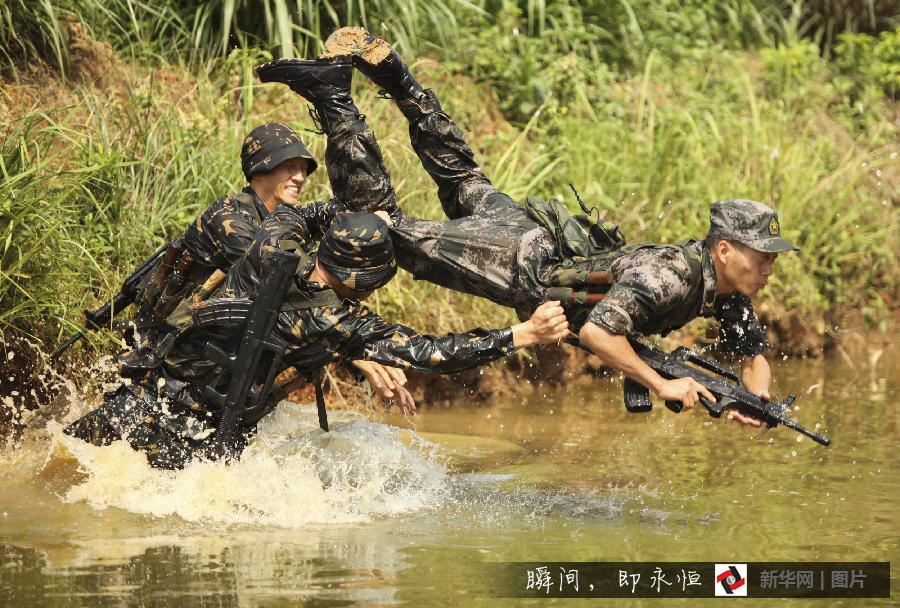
{"x": 170, "y": 282}
{"x": 587, "y": 245}
{"x": 161, "y": 333}
{"x": 578, "y": 237}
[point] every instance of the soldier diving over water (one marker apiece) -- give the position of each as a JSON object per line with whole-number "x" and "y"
{"x": 517, "y": 255}
{"x": 172, "y": 406}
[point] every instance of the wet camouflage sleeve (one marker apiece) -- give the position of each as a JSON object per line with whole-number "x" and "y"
{"x": 739, "y": 329}
{"x": 657, "y": 280}
{"x": 221, "y": 234}
{"x": 323, "y": 335}
{"x": 400, "y": 346}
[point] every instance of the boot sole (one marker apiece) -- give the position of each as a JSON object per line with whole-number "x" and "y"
{"x": 357, "y": 41}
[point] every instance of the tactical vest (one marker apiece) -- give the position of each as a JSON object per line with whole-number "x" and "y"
{"x": 225, "y": 313}
{"x": 589, "y": 245}
{"x": 578, "y": 237}
{"x": 586, "y": 243}
{"x": 294, "y": 300}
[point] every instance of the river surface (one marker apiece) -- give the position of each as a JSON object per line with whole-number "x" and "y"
{"x": 395, "y": 511}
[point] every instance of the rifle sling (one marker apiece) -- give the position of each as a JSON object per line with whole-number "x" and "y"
{"x": 300, "y": 300}
{"x": 320, "y": 401}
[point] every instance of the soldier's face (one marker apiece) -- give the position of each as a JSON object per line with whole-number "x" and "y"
{"x": 286, "y": 181}
{"x": 746, "y": 269}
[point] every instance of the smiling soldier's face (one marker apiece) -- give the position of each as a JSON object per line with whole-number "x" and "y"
{"x": 285, "y": 181}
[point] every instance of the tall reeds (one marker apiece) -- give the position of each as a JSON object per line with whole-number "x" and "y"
{"x": 94, "y": 180}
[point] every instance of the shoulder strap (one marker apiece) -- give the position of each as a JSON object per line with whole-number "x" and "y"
{"x": 691, "y": 255}
{"x": 299, "y": 300}
{"x": 320, "y": 400}
{"x": 699, "y": 262}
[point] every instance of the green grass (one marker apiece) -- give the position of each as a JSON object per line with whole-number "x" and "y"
{"x": 622, "y": 33}
{"x": 93, "y": 180}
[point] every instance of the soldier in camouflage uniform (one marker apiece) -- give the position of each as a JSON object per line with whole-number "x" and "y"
{"x": 492, "y": 247}
{"x": 163, "y": 412}
{"x": 322, "y": 320}
{"x": 276, "y": 164}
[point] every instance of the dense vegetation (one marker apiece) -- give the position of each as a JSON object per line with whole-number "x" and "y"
{"x": 121, "y": 119}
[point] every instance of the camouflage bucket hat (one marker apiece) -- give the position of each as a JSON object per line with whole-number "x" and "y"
{"x": 269, "y": 145}
{"x": 748, "y": 222}
{"x": 358, "y": 250}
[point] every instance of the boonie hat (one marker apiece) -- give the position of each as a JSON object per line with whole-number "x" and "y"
{"x": 748, "y": 222}
{"x": 269, "y": 145}
{"x": 358, "y": 250}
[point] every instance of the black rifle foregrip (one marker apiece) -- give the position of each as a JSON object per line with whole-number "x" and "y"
{"x": 637, "y": 397}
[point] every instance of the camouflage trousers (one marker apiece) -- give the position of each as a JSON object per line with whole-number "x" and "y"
{"x": 134, "y": 413}
{"x": 488, "y": 247}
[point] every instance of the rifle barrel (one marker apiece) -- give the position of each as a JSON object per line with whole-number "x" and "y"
{"x": 66, "y": 345}
{"x": 822, "y": 439}
{"x": 720, "y": 382}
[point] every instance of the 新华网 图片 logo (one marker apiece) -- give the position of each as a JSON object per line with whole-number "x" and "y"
{"x": 731, "y": 580}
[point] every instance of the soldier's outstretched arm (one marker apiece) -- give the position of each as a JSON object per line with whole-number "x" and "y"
{"x": 756, "y": 376}
{"x": 400, "y": 346}
{"x": 618, "y": 354}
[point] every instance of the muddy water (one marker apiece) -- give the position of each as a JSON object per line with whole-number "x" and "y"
{"x": 387, "y": 512}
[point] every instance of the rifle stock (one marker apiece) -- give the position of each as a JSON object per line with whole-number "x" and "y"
{"x": 720, "y": 381}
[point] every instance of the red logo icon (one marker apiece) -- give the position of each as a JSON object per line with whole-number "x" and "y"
{"x": 731, "y": 580}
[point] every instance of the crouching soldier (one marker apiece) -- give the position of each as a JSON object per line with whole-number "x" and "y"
{"x": 276, "y": 164}
{"x": 179, "y": 411}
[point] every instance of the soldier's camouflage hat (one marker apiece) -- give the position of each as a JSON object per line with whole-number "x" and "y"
{"x": 748, "y": 222}
{"x": 269, "y": 145}
{"x": 358, "y": 250}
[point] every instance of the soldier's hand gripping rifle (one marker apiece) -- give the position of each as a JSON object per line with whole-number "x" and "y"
{"x": 720, "y": 381}
{"x": 94, "y": 319}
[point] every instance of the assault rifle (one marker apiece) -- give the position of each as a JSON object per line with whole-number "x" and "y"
{"x": 257, "y": 357}
{"x": 94, "y": 319}
{"x": 719, "y": 380}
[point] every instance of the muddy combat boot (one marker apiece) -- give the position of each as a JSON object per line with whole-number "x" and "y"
{"x": 324, "y": 82}
{"x": 375, "y": 58}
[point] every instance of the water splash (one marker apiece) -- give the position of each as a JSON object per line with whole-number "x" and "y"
{"x": 291, "y": 475}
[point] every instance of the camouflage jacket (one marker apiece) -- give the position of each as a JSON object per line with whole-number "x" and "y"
{"x": 214, "y": 241}
{"x": 328, "y": 334}
{"x": 221, "y": 234}
{"x": 319, "y": 336}
{"x": 659, "y": 288}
